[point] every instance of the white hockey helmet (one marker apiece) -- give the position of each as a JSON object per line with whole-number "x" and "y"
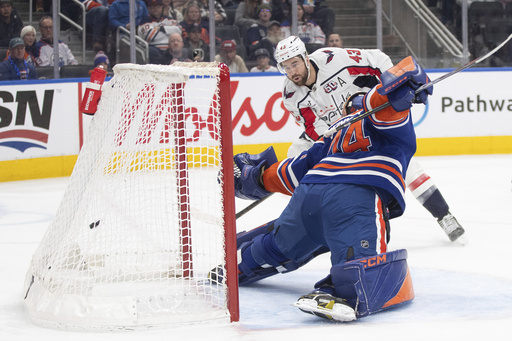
{"x": 288, "y": 48}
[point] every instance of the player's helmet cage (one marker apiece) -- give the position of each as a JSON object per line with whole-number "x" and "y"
{"x": 289, "y": 48}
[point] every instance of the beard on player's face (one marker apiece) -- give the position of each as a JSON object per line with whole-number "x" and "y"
{"x": 299, "y": 77}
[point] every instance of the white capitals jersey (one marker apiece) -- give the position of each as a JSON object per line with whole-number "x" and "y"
{"x": 340, "y": 73}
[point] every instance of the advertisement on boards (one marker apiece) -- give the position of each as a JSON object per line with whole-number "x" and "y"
{"x": 38, "y": 120}
{"x": 41, "y": 119}
{"x": 467, "y": 104}
{"x": 258, "y": 112}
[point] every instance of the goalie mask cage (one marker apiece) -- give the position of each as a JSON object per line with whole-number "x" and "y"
{"x": 149, "y": 209}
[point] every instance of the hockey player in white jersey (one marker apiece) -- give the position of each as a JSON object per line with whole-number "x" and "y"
{"x": 315, "y": 96}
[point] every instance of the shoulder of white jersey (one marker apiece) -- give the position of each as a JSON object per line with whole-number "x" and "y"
{"x": 289, "y": 89}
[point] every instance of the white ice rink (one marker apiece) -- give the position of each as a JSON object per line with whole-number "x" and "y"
{"x": 462, "y": 292}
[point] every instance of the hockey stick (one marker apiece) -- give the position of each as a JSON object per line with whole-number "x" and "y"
{"x": 348, "y": 120}
{"x": 251, "y": 206}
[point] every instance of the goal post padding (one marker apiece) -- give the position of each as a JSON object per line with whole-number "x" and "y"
{"x": 149, "y": 208}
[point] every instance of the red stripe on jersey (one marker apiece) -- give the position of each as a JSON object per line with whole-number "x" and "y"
{"x": 420, "y": 180}
{"x": 309, "y": 119}
{"x": 363, "y": 70}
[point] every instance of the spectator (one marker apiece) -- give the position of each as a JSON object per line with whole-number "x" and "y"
{"x": 192, "y": 17}
{"x": 256, "y": 37}
{"x": 274, "y": 33}
{"x": 263, "y": 59}
{"x": 220, "y": 14}
{"x": 15, "y": 67}
{"x": 171, "y": 12}
{"x": 96, "y": 20}
{"x": 28, "y": 35}
{"x": 229, "y": 57}
{"x": 101, "y": 60}
{"x": 43, "y": 52}
{"x": 334, "y": 40}
{"x": 176, "y": 51}
{"x": 307, "y": 30}
{"x": 10, "y": 23}
{"x": 247, "y": 14}
{"x": 323, "y": 15}
{"x": 156, "y": 29}
{"x": 119, "y": 13}
{"x": 193, "y": 42}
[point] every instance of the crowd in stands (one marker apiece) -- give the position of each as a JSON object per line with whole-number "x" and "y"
{"x": 175, "y": 30}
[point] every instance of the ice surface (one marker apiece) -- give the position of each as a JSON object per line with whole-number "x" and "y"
{"x": 462, "y": 292}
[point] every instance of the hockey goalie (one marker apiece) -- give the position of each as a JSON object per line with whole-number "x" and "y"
{"x": 344, "y": 190}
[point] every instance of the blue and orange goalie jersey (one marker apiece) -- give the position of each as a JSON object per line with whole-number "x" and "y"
{"x": 374, "y": 151}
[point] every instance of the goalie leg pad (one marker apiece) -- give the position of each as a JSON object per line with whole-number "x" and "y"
{"x": 247, "y": 236}
{"x": 260, "y": 258}
{"x": 372, "y": 284}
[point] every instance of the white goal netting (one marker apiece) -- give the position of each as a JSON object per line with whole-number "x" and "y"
{"x": 143, "y": 219}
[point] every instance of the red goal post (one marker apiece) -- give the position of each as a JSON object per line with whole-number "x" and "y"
{"x": 149, "y": 209}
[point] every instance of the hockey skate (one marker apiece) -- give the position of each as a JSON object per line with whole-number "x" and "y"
{"x": 327, "y": 306}
{"x": 452, "y": 228}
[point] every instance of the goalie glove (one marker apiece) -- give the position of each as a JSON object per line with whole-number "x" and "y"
{"x": 400, "y": 82}
{"x": 249, "y": 171}
{"x": 92, "y": 94}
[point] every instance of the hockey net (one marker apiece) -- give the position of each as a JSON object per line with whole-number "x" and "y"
{"x": 149, "y": 209}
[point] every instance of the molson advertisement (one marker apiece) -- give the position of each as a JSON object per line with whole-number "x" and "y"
{"x": 41, "y": 129}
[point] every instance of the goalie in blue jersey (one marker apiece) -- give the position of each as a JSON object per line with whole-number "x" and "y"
{"x": 344, "y": 189}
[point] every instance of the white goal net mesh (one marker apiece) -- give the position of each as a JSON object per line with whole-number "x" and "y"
{"x": 142, "y": 222}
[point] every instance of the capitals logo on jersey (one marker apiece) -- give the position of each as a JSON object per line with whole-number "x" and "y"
{"x": 330, "y": 56}
{"x": 287, "y": 94}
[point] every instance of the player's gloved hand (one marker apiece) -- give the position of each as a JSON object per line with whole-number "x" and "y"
{"x": 249, "y": 171}
{"x": 400, "y": 82}
{"x": 353, "y": 103}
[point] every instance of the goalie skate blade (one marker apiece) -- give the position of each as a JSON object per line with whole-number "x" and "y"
{"x": 339, "y": 312}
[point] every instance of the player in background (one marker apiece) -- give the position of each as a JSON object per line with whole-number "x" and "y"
{"x": 344, "y": 189}
{"x": 315, "y": 99}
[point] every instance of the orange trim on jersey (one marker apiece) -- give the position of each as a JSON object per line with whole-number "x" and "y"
{"x": 387, "y": 114}
{"x": 359, "y": 165}
{"x": 152, "y": 34}
{"x": 335, "y": 141}
{"x": 406, "y": 292}
{"x": 271, "y": 180}
{"x": 420, "y": 180}
{"x": 382, "y": 223}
